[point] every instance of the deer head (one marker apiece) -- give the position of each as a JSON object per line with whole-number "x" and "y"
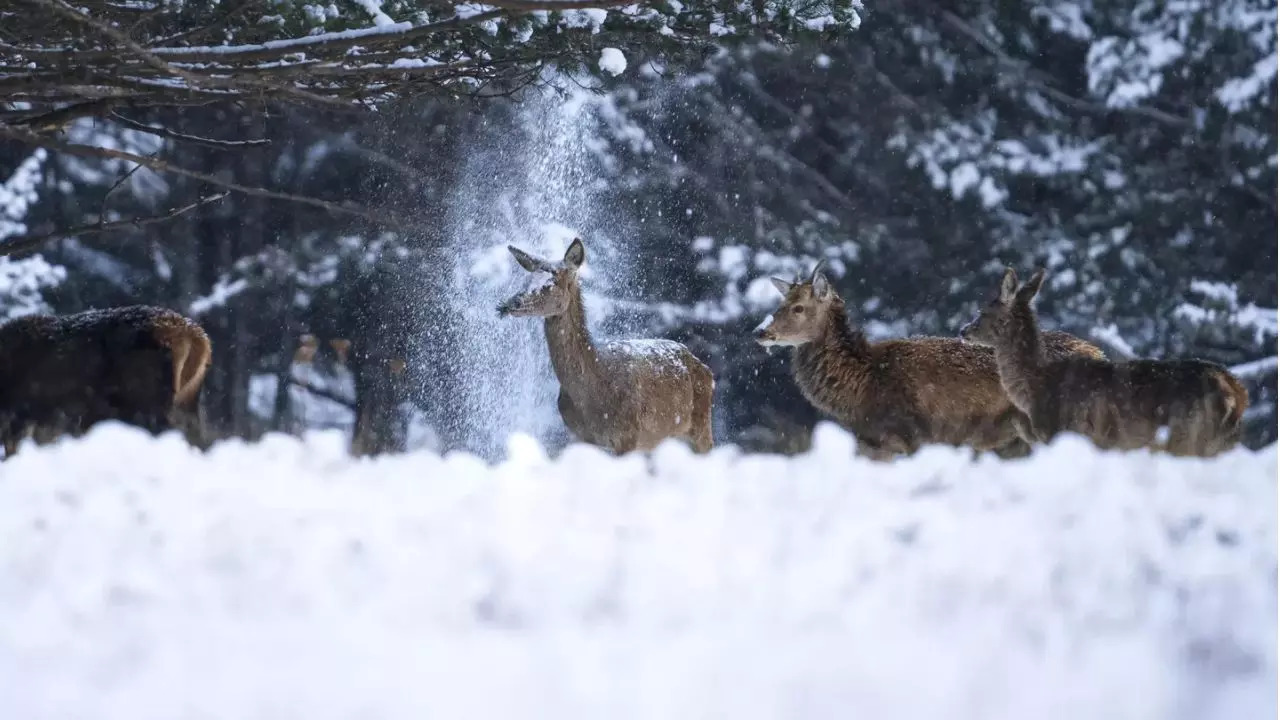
{"x": 341, "y": 346}
{"x": 552, "y": 286}
{"x": 306, "y": 352}
{"x": 994, "y": 322}
{"x": 802, "y": 317}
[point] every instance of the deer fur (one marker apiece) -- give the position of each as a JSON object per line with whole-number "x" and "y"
{"x": 897, "y": 395}
{"x": 62, "y": 374}
{"x": 622, "y": 395}
{"x": 1117, "y": 405}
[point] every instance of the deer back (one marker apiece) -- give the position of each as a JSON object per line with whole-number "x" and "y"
{"x": 119, "y": 363}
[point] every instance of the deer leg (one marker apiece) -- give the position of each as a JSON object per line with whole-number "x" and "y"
{"x": 624, "y": 446}
{"x": 188, "y": 422}
{"x": 884, "y": 448}
{"x": 701, "y": 422}
{"x": 1038, "y": 430}
{"x": 874, "y": 451}
{"x": 15, "y": 431}
{"x": 1186, "y": 434}
{"x": 578, "y": 430}
{"x": 1016, "y": 448}
{"x": 1022, "y": 425}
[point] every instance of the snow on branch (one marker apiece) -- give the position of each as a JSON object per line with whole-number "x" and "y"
{"x": 24, "y": 243}
{"x": 18, "y": 193}
{"x": 1219, "y": 311}
{"x": 1256, "y": 368}
{"x": 92, "y": 151}
{"x": 21, "y": 281}
{"x": 92, "y": 59}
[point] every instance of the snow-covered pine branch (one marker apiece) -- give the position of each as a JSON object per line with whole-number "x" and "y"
{"x": 21, "y": 281}
{"x": 360, "y": 52}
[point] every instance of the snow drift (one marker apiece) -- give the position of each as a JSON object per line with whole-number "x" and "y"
{"x": 283, "y": 579}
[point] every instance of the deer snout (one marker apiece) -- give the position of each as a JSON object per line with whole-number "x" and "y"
{"x": 506, "y": 307}
{"x": 966, "y": 330}
{"x": 765, "y": 336}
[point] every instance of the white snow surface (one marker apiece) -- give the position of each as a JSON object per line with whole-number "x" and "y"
{"x": 140, "y": 579}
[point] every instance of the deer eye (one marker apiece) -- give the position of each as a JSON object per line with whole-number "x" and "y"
{"x": 797, "y": 309}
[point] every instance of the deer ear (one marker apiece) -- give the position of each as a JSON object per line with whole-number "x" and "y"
{"x": 1008, "y": 286}
{"x": 821, "y": 286}
{"x": 817, "y": 269}
{"x": 1028, "y": 291}
{"x": 782, "y": 286}
{"x": 527, "y": 261}
{"x": 576, "y": 254}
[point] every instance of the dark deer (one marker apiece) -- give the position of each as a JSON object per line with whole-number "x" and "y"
{"x": 897, "y": 395}
{"x": 1119, "y": 406}
{"x": 622, "y": 395}
{"x": 379, "y": 377}
{"x": 63, "y": 374}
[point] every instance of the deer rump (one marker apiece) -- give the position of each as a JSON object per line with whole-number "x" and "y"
{"x": 65, "y": 374}
{"x": 914, "y": 391}
{"x": 1124, "y": 405}
{"x": 655, "y": 389}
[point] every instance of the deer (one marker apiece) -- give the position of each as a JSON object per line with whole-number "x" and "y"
{"x": 1186, "y": 406}
{"x": 621, "y": 395}
{"x": 137, "y": 364}
{"x": 897, "y": 395}
{"x": 379, "y": 377}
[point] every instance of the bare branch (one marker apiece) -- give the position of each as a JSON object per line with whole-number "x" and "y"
{"x": 182, "y": 137}
{"x": 102, "y": 209}
{"x": 382, "y": 218}
{"x": 321, "y": 392}
{"x": 399, "y": 34}
{"x": 188, "y": 35}
{"x": 26, "y": 243}
{"x": 544, "y": 5}
{"x": 70, "y": 13}
{"x": 193, "y": 81}
{"x": 59, "y": 118}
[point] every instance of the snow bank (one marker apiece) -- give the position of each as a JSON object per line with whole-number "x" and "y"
{"x": 280, "y": 580}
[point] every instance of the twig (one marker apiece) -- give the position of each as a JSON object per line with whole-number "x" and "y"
{"x": 61, "y": 8}
{"x": 1255, "y": 368}
{"x": 188, "y": 35}
{"x": 183, "y": 137}
{"x": 28, "y": 242}
{"x": 334, "y": 43}
{"x": 93, "y": 151}
{"x": 544, "y": 5}
{"x": 56, "y": 119}
{"x": 102, "y": 209}
{"x": 192, "y": 80}
{"x": 321, "y": 392}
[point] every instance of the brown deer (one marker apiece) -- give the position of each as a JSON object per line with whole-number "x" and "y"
{"x": 63, "y": 374}
{"x": 1117, "y": 405}
{"x": 897, "y": 395}
{"x": 621, "y": 395}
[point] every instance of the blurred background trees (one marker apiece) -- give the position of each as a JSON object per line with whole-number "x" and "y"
{"x": 1129, "y": 147}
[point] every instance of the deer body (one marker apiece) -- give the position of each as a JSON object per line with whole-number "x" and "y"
{"x": 622, "y": 395}
{"x": 1119, "y": 406}
{"x": 897, "y": 395}
{"x": 141, "y": 365}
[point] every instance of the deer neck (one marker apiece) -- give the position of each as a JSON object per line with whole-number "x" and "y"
{"x": 1020, "y": 358}
{"x": 840, "y": 348}
{"x": 573, "y": 353}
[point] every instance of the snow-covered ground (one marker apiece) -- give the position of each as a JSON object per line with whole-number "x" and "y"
{"x": 282, "y": 580}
